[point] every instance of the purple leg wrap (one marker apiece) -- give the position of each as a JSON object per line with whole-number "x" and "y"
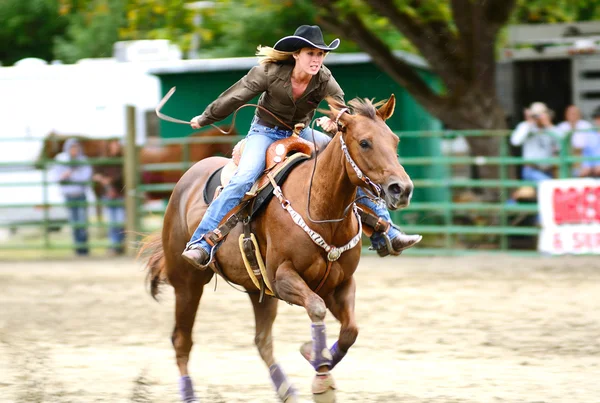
{"x": 186, "y": 389}
{"x": 320, "y": 354}
{"x": 336, "y": 354}
{"x": 282, "y": 386}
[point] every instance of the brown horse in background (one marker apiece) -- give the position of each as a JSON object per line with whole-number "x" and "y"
{"x": 295, "y": 265}
{"x": 153, "y": 152}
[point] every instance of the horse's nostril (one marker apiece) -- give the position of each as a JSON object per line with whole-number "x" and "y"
{"x": 394, "y": 188}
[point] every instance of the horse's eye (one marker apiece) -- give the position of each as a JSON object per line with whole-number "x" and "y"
{"x": 364, "y": 144}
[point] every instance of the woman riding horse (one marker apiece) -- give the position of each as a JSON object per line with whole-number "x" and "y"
{"x": 292, "y": 82}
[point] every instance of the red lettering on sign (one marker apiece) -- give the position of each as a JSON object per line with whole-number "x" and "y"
{"x": 557, "y": 241}
{"x": 576, "y": 206}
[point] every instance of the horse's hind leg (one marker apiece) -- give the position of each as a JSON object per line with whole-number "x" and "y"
{"x": 341, "y": 305}
{"x": 293, "y": 289}
{"x": 264, "y": 315}
{"x": 188, "y": 291}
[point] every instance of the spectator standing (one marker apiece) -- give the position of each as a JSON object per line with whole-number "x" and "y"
{"x": 539, "y": 138}
{"x": 578, "y": 130}
{"x": 111, "y": 178}
{"x": 73, "y": 173}
{"x": 587, "y": 144}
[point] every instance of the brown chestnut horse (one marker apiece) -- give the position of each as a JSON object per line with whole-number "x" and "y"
{"x": 364, "y": 148}
{"x": 150, "y": 153}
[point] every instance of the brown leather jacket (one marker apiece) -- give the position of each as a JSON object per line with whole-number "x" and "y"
{"x": 273, "y": 81}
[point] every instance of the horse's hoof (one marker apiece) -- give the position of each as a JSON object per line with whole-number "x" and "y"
{"x": 292, "y": 399}
{"x": 289, "y": 396}
{"x": 306, "y": 350}
{"x": 323, "y": 388}
{"x": 325, "y": 397}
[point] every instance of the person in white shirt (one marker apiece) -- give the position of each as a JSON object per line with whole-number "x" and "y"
{"x": 539, "y": 139}
{"x": 73, "y": 173}
{"x": 587, "y": 144}
{"x": 579, "y": 131}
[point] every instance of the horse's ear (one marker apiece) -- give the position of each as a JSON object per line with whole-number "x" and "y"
{"x": 387, "y": 110}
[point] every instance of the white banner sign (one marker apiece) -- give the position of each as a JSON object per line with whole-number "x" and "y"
{"x": 570, "y": 216}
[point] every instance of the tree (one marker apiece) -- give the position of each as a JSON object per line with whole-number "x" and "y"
{"x": 28, "y": 28}
{"x": 458, "y": 40}
{"x": 92, "y": 31}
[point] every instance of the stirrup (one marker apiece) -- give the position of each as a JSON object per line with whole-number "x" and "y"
{"x": 387, "y": 248}
{"x": 211, "y": 252}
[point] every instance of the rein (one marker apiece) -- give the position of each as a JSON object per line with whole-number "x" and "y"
{"x": 333, "y": 252}
{"x": 162, "y": 116}
{"x": 373, "y": 186}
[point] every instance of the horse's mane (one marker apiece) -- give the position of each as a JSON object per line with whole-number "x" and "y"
{"x": 358, "y": 106}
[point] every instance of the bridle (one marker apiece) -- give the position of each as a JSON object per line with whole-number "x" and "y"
{"x": 372, "y": 185}
{"x": 375, "y": 187}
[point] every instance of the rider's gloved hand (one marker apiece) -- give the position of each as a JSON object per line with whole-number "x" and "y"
{"x": 194, "y": 122}
{"x": 327, "y": 124}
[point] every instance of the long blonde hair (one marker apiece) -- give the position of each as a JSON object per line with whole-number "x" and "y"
{"x": 267, "y": 54}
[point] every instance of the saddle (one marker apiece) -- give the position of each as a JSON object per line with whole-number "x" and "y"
{"x": 281, "y": 157}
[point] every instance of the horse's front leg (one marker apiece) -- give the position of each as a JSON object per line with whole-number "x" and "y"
{"x": 293, "y": 289}
{"x": 341, "y": 305}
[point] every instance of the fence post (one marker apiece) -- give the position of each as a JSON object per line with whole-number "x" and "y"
{"x": 130, "y": 174}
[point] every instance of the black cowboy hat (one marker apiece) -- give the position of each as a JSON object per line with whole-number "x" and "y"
{"x": 306, "y": 36}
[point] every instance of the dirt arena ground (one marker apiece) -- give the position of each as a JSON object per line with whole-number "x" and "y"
{"x": 478, "y": 329}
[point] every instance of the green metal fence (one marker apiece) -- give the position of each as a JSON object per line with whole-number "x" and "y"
{"x": 40, "y": 225}
{"x": 479, "y": 225}
{"x": 449, "y": 227}
{"x": 487, "y": 221}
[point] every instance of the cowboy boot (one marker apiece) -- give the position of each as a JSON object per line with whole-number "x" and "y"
{"x": 197, "y": 256}
{"x": 386, "y": 238}
{"x": 393, "y": 241}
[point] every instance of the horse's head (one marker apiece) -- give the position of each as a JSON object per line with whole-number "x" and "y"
{"x": 371, "y": 158}
{"x": 51, "y": 147}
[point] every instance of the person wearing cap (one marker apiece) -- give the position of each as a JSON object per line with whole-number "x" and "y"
{"x": 291, "y": 81}
{"x": 539, "y": 139}
{"x": 110, "y": 177}
{"x": 587, "y": 143}
{"x": 72, "y": 173}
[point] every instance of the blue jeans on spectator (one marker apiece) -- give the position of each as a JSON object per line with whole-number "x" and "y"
{"x": 116, "y": 224}
{"x": 78, "y": 220}
{"x": 251, "y": 166}
{"x": 532, "y": 174}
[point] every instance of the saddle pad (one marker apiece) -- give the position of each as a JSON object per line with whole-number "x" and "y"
{"x": 264, "y": 195}
{"x": 214, "y": 181}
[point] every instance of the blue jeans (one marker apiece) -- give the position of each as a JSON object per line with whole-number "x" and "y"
{"x": 116, "y": 221}
{"x": 533, "y": 174}
{"x": 251, "y": 166}
{"x": 78, "y": 219}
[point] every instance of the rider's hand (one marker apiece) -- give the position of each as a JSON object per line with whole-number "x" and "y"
{"x": 194, "y": 122}
{"x": 327, "y": 124}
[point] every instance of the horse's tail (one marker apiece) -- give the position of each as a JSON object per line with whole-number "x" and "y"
{"x": 152, "y": 250}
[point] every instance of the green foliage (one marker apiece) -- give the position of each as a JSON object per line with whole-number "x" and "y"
{"x": 92, "y": 31}
{"x": 158, "y": 19}
{"x": 552, "y": 11}
{"x": 236, "y": 28}
{"x": 27, "y": 28}
{"x": 74, "y": 29}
